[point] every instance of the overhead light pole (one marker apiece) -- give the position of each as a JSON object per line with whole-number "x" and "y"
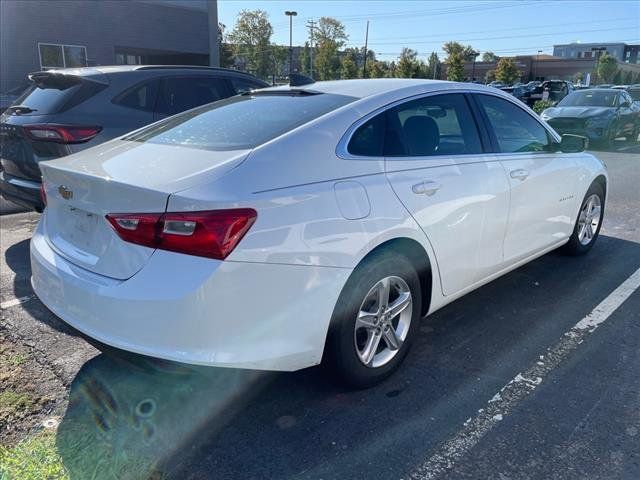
{"x": 290, "y": 14}
{"x": 535, "y": 70}
{"x": 474, "y": 54}
{"x": 598, "y": 51}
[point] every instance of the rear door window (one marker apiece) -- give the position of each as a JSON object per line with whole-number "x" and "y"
{"x": 434, "y": 125}
{"x": 178, "y": 94}
{"x": 515, "y": 130}
{"x": 140, "y": 97}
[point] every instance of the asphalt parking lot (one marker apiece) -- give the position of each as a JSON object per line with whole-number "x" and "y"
{"x": 500, "y": 384}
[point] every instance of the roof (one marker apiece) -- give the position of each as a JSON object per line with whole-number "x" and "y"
{"x": 85, "y": 71}
{"x": 362, "y": 88}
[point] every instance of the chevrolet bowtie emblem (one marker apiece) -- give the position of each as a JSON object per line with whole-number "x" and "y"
{"x": 65, "y": 192}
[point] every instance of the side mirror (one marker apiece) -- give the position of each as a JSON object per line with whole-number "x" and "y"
{"x": 573, "y": 143}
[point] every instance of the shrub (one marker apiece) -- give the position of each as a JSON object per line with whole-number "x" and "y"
{"x": 542, "y": 105}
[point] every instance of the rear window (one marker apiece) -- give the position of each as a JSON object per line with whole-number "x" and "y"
{"x": 590, "y": 98}
{"x": 240, "y": 122}
{"x": 45, "y": 99}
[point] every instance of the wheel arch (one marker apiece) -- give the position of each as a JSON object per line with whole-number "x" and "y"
{"x": 419, "y": 258}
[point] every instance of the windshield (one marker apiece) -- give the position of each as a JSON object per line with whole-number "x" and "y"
{"x": 240, "y": 122}
{"x": 589, "y": 98}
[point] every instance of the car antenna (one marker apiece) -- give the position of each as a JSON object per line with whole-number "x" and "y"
{"x": 299, "y": 80}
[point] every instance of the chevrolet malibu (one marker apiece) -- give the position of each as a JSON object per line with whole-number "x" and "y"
{"x": 296, "y": 225}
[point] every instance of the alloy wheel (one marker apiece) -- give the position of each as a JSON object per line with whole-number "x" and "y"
{"x": 383, "y": 321}
{"x": 589, "y": 219}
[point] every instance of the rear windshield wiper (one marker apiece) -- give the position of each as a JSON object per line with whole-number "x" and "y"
{"x": 22, "y": 109}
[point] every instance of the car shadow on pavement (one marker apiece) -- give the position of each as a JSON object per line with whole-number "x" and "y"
{"x": 17, "y": 259}
{"x": 134, "y": 417}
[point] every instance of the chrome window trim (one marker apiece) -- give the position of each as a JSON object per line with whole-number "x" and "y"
{"x": 342, "y": 147}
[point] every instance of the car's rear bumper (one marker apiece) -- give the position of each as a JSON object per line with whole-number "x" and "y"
{"x": 25, "y": 193}
{"x": 195, "y": 310}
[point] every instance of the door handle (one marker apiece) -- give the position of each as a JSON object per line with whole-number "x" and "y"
{"x": 520, "y": 174}
{"x": 427, "y": 187}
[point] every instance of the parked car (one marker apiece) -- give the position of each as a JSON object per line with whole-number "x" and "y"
{"x": 496, "y": 84}
{"x": 552, "y": 90}
{"x": 292, "y": 225}
{"x": 69, "y": 110}
{"x": 602, "y": 115}
{"x": 11, "y": 95}
{"x": 634, "y": 92}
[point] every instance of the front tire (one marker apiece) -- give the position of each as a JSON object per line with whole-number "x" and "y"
{"x": 587, "y": 227}
{"x": 375, "y": 320}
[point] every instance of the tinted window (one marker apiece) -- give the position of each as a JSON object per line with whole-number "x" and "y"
{"x": 185, "y": 93}
{"x": 590, "y": 98}
{"x": 368, "y": 139}
{"x": 241, "y": 121}
{"x": 242, "y": 85}
{"x": 515, "y": 129}
{"x": 45, "y": 100}
{"x": 140, "y": 97}
{"x": 435, "y": 125}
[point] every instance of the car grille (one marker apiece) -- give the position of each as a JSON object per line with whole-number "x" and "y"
{"x": 567, "y": 124}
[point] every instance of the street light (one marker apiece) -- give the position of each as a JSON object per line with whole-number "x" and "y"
{"x": 290, "y": 14}
{"x": 535, "y": 70}
{"x": 474, "y": 54}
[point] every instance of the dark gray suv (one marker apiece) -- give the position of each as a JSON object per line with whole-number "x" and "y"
{"x": 68, "y": 110}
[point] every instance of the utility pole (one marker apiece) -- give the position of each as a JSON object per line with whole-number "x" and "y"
{"x": 366, "y": 51}
{"x": 474, "y": 54}
{"x": 290, "y": 14}
{"x": 311, "y": 24}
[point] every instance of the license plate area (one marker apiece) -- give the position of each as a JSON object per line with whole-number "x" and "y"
{"x": 83, "y": 229}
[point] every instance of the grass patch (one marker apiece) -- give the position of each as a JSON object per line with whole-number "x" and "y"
{"x": 11, "y": 401}
{"x": 34, "y": 458}
{"x": 16, "y": 360}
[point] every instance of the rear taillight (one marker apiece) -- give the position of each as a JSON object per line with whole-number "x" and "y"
{"x": 212, "y": 234}
{"x": 43, "y": 194}
{"x": 61, "y": 133}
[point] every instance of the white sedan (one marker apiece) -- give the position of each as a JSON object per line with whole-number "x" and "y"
{"x": 299, "y": 224}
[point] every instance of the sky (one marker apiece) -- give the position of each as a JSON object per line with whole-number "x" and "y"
{"x": 505, "y": 27}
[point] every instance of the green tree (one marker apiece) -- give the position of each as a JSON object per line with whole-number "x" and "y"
{"x": 507, "y": 72}
{"x": 607, "y": 68}
{"x": 251, "y": 39}
{"x": 330, "y": 37}
{"x": 226, "y": 51}
{"x": 617, "y": 79}
{"x": 305, "y": 59}
{"x": 349, "y": 69}
{"x": 490, "y": 57}
{"x": 578, "y": 78}
{"x": 627, "y": 78}
{"x": 434, "y": 66}
{"x": 457, "y": 54}
{"x": 490, "y": 76}
{"x": 408, "y": 64}
{"x": 376, "y": 69}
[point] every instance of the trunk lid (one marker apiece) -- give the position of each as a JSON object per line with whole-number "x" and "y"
{"x": 119, "y": 177}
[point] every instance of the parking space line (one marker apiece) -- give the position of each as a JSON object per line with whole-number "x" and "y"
{"x": 522, "y": 385}
{"x": 16, "y": 301}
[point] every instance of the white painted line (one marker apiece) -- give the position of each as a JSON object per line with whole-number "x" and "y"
{"x": 16, "y": 301}
{"x": 521, "y": 386}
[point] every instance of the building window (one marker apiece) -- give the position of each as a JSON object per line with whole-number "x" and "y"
{"x": 62, "y": 56}
{"x": 128, "y": 59}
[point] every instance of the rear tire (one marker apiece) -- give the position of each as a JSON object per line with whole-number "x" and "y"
{"x": 588, "y": 224}
{"x": 361, "y": 319}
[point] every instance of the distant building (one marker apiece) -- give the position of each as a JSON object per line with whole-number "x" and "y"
{"x": 41, "y": 34}
{"x": 548, "y": 67}
{"x": 622, "y": 52}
